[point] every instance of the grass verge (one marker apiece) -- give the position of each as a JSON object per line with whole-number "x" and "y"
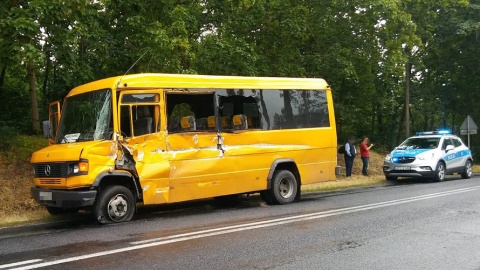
{"x": 343, "y": 182}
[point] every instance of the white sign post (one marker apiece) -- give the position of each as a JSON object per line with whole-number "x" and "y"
{"x": 468, "y": 127}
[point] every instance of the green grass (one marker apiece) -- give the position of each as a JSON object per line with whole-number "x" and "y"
{"x": 18, "y": 207}
{"x": 21, "y": 147}
{"x": 343, "y": 183}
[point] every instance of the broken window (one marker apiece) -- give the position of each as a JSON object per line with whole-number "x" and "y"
{"x": 86, "y": 117}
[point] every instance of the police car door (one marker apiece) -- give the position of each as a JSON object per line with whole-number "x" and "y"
{"x": 461, "y": 153}
{"x": 448, "y": 156}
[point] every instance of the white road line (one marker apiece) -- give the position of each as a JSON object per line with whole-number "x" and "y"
{"x": 248, "y": 226}
{"x": 5, "y": 266}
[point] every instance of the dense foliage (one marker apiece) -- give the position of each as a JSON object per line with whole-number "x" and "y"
{"x": 360, "y": 47}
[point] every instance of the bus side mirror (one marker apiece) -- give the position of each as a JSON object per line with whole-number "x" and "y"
{"x": 47, "y": 132}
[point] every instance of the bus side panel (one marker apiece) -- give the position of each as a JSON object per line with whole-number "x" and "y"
{"x": 313, "y": 150}
{"x": 195, "y": 163}
{"x": 152, "y": 167}
{"x": 243, "y": 166}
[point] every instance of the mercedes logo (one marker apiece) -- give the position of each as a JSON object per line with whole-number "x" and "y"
{"x": 47, "y": 170}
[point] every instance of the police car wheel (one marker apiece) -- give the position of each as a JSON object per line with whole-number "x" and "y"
{"x": 468, "y": 170}
{"x": 440, "y": 172}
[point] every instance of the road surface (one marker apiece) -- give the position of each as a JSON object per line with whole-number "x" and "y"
{"x": 412, "y": 225}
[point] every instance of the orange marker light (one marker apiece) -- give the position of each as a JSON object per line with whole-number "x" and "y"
{"x": 83, "y": 166}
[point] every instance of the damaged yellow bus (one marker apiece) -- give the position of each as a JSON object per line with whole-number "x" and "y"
{"x": 164, "y": 138}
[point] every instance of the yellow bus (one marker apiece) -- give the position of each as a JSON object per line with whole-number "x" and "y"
{"x": 164, "y": 138}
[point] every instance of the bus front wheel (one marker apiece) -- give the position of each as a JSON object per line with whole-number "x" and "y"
{"x": 114, "y": 204}
{"x": 283, "y": 190}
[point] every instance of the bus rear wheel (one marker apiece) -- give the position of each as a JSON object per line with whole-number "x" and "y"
{"x": 283, "y": 190}
{"x": 114, "y": 204}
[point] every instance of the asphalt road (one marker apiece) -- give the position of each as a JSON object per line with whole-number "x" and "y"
{"x": 412, "y": 225}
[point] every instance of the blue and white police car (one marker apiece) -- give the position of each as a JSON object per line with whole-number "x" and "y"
{"x": 431, "y": 154}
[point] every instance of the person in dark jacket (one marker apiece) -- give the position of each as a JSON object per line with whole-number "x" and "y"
{"x": 350, "y": 153}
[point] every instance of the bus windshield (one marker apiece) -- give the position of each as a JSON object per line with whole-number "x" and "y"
{"x": 86, "y": 117}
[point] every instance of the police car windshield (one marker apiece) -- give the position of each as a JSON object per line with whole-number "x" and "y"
{"x": 420, "y": 143}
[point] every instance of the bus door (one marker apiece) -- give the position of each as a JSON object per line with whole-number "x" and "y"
{"x": 142, "y": 149}
{"x": 50, "y": 128}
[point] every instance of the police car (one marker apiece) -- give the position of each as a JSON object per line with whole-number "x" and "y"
{"x": 431, "y": 154}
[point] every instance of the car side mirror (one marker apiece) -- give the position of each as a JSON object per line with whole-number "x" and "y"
{"x": 449, "y": 148}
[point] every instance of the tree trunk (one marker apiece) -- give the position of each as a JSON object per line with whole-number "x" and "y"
{"x": 2, "y": 78}
{"x": 33, "y": 97}
{"x": 45, "y": 80}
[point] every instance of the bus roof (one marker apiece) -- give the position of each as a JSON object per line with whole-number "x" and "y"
{"x": 160, "y": 80}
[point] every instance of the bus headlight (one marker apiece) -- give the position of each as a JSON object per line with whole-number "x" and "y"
{"x": 79, "y": 168}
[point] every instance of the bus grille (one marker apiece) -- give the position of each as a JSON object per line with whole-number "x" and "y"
{"x": 51, "y": 181}
{"x": 53, "y": 170}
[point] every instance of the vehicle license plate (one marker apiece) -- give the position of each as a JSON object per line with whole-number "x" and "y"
{"x": 402, "y": 168}
{"x": 45, "y": 196}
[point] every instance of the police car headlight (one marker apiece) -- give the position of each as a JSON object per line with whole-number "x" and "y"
{"x": 388, "y": 158}
{"x": 426, "y": 156}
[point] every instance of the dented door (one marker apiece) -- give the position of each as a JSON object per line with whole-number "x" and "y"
{"x": 142, "y": 144}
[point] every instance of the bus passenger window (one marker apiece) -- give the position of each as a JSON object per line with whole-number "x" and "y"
{"x": 190, "y": 112}
{"x": 239, "y": 112}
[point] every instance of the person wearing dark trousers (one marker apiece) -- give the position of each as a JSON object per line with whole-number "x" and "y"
{"x": 350, "y": 153}
{"x": 365, "y": 154}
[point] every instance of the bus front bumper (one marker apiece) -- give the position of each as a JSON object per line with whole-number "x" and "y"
{"x": 64, "y": 198}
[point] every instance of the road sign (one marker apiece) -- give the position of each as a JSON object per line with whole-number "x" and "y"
{"x": 468, "y": 124}
{"x": 468, "y": 127}
{"x": 468, "y": 132}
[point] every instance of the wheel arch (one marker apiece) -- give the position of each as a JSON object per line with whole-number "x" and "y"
{"x": 284, "y": 164}
{"x": 442, "y": 160}
{"x": 119, "y": 178}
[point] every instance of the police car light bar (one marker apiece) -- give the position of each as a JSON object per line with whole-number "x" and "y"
{"x": 435, "y": 132}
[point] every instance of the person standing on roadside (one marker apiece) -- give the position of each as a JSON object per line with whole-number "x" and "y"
{"x": 350, "y": 153}
{"x": 365, "y": 154}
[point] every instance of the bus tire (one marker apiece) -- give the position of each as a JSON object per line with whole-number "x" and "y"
{"x": 266, "y": 196}
{"x": 284, "y": 187}
{"x": 114, "y": 204}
